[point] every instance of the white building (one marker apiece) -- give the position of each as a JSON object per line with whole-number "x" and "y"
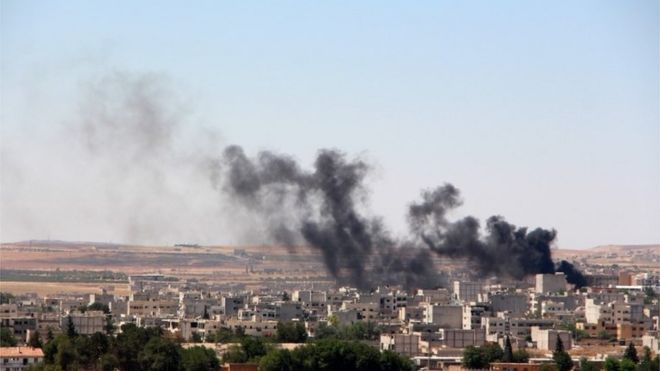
{"x": 548, "y": 283}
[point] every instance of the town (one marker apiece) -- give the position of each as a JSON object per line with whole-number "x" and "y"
{"x": 538, "y": 323}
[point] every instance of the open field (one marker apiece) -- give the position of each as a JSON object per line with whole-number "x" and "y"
{"x": 53, "y": 288}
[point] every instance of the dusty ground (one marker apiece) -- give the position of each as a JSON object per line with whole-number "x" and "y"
{"x": 52, "y": 288}
{"x": 251, "y": 265}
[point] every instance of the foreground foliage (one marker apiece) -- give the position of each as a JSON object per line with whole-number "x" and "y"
{"x": 133, "y": 349}
{"x": 333, "y": 354}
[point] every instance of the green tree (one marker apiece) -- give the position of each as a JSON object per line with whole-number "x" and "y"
{"x": 631, "y": 353}
{"x": 99, "y": 344}
{"x": 627, "y": 365}
{"x": 234, "y": 354}
{"x": 585, "y": 365}
{"x": 206, "y": 313}
{"x": 109, "y": 325}
{"x": 160, "y": 354}
{"x": 561, "y": 358}
{"x": 223, "y": 335}
{"x": 70, "y": 328}
{"x": 493, "y": 352}
{"x": 35, "y": 340}
{"x": 108, "y": 362}
{"x": 66, "y": 356}
{"x": 6, "y": 298}
{"x": 334, "y": 354}
{"x": 520, "y": 356}
{"x": 99, "y": 306}
{"x": 199, "y": 358}
{"x": 7, "y": 338}
{"x": 324, "y": 331}
{"x": 280, "y": 360}
{"x": 49, "y": 334}
{"x": 508, "y": 351}
{"x": 611, "y": 364}
{"x": 253, "y": 347}
{"x": 474, "y": 357}
{"x": 291, "y": 332}
{"x": 646, "y": 361}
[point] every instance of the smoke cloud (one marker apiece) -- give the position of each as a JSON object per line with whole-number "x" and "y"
{"x": 127, "y": 165}
{"x": 321, "y": 208}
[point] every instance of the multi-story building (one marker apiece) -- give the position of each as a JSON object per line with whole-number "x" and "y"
{"x": 467, "y": 292}
{"x": 87, "y": 323}
{"x": 547, "y": 339}
{"x": 445, "y": 316}
{"x": 406, "y": 344}
{"x": 550, "y": 283}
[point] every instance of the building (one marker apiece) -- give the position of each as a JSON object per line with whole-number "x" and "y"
{"x": 547, "y": 339}
{"x": 153, "y": 307}
{"x": 87, "y": 323}
{"x": 467, "y": 291}
{"x": 549, "y": 283}
{"x": 501, "y": 366}
{"x": 19, "y": 326}
{"x": 516, "y": 304}
{"x": 445, "y": 316}
{"x": 19, "y": 358}
{"x": 406, "y": 344}
{"x": 455, "y": 338}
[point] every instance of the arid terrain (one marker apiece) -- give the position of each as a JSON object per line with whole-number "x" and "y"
{"x": 248, "y": 265}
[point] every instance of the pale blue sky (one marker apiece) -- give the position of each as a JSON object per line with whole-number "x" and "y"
{"x": 546, "y": 112}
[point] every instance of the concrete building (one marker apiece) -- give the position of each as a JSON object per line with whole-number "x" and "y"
{"x": 153, "y": 307}
{"x": 86, "y": 323}
{"x": 19, "y": 358}
{"x": 467, "y": 291}
{"x": 516, "y": 304}
{"x": 20, "y": 326}
{"x": 547, "y": 339}
{"x": 254, "y": 328}
{"x": 459, "y": 338}
{"x": 445, "y": 316}
{"x": 472, "y": 314}
{"x": 367, "y": 312}
{"x": 232, "y": 304}
{"x": 549, "y": 283}
{"x": 405, "y": 344}
{"x": 8, "y": 310}
{"x": 652, "y": 340}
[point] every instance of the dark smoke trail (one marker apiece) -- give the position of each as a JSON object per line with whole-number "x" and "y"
{"x": 321, "y": 208}
{"x": 505, "y": 250}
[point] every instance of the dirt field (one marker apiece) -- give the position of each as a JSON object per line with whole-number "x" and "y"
{"x": 53, "y": 288}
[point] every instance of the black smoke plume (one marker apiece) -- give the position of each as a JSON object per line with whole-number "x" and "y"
{"x": 505, "y": 250}
{"x": 573, "y": 275}
{"x": 323, "y": 208}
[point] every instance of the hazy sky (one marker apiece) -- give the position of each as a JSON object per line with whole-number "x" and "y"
{"x": 545, "y": 112}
